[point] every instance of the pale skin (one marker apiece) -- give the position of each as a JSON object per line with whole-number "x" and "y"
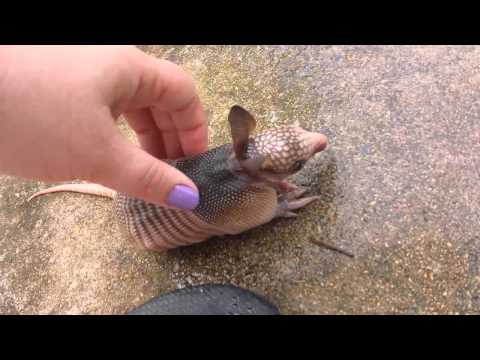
{"x": 59, "y": 104}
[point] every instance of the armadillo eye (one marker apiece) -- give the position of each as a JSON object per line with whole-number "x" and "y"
{"x": 298, "y": 165}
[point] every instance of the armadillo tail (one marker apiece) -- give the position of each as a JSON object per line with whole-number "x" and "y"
{"x": 91, "y": 189}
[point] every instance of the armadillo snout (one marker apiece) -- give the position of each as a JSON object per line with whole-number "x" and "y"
{"x": 318, "y": 142}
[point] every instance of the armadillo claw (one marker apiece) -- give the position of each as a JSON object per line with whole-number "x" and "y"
{"x": 286, "y": 187}
{"x": 300, "y": 203}
{"x": 286, "y": 206}
{"x": 295, "y": 194}
{"x": 289, "y": 214}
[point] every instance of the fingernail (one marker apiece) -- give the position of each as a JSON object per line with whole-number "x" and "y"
{"x": 183, "y": 197}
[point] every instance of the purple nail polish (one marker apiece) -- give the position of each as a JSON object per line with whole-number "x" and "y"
{"x": 183, "y": 197}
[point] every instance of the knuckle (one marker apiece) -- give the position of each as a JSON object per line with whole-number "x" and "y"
{"x": 182, "y": 77}
{"x": 187, "y": 81}
{"x": 182, "y": 89}
{"x": 153, "y": 178}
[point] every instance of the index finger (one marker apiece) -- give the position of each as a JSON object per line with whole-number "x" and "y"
{"x": 166, "y": 87}
{"x": 191, "y": 126}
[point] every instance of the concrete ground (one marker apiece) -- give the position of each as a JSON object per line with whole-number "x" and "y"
{"x": 399, "y": 186}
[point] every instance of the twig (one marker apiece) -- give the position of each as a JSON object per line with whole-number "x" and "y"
{"x": 331, "y": 247}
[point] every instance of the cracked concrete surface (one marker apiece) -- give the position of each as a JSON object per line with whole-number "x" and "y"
{"x": 399, "y": 187}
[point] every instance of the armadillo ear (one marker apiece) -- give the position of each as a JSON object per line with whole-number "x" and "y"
{"x": 242, "y": 125}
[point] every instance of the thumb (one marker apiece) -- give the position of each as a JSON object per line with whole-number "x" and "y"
{"x": 131, "y": 170}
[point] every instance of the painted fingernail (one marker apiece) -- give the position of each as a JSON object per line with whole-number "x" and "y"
{"x": 183, "y": 197}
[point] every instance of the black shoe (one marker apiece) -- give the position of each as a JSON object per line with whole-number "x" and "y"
{"x": 209, "y": 299}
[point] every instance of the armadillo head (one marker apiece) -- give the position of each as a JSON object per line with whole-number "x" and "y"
{"x": 285, "y": 150}
{"x": 274, "y": 154}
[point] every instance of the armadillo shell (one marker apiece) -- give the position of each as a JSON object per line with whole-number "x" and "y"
{"x": 229, "y": 204}
{"x": 209, "y": 299}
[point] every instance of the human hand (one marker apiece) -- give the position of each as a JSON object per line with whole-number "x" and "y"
{"x": 58, "y": 106}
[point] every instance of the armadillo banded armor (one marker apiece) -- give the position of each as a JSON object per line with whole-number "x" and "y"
{"x": 229, "y": 204}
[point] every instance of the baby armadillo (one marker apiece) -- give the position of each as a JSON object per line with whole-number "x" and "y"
{"x": 242, "y": 185}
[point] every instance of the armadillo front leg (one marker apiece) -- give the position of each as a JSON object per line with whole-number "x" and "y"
{"x": 293, "y": 201}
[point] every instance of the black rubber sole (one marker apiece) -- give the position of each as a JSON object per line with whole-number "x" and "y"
{"x": 209, "y": 299}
